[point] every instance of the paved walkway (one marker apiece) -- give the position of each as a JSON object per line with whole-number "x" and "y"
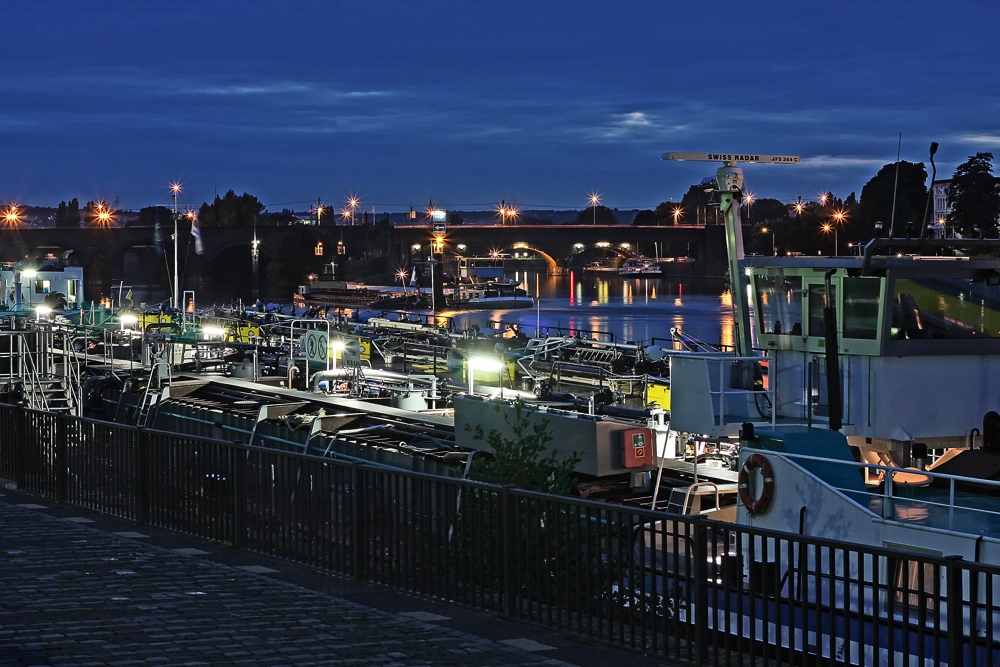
{"x": 82, "y": 589}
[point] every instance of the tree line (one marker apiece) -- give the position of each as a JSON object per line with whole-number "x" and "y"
{"x": 896, "y": 197}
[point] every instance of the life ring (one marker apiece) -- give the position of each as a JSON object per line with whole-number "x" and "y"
{"x": 762, "y": 502}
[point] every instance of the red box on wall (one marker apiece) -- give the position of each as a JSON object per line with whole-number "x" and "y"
{"x": 637, "y": 447}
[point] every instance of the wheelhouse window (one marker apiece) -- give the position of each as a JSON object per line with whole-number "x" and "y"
{"x": 817, "y": 302}
{"x": 861, "y": 302}
{"x": 950, "y": 308}
{"x": 778, "y": 305}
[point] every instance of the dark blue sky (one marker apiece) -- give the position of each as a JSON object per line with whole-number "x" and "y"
{"x": 471, "y": 102}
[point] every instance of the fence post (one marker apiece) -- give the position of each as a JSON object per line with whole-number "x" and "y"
{"x": 21, "y": 449}
{"x": 241, "y": 461}
{"x": 956, "y": 624}
{"x": 142, "y": 476}
{"x": 508, "y": 546}
{"x": 358, "y": 502}
{"x": 701, "y": 602}
{"x": 61, "y": 429}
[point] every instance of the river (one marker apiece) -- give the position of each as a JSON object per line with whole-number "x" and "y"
{"x": 630, "y": 309}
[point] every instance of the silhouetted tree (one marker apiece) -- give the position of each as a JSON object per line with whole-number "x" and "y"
{"x": 669, "y": 212}
{"x": 911, "y": 193}
{"x": 765, "y": 209}
{"x": 73, "y": 213}
{"x": 645, "y": 217}
{"x": 230, "y": 210}
{"x": 975, "y": 197}
{"x": 694, "y": 206}
{"x": 62, "y": 215}
{"x": 603, "y": 214}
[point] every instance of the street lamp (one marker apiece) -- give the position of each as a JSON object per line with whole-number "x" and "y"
{"x": 175, "y": 188}
{"x": 594, "y": 198}
{"x": 353, "y": 203}
{"x": 12, "y": 216}
{"x": 774, "y": 246}
{"x": 103, "y": 215}
{"x": 827, "y": 228}
{"x": 677, "y": 213}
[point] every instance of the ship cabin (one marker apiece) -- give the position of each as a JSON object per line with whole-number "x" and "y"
{"x": 916, "y": 351}
{"x": 48, "y": 282}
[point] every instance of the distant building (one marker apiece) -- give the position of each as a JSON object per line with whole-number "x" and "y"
{"x": 942, "y": 207}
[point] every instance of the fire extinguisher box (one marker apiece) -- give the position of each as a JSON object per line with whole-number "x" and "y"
{"x": 637, "y": 447}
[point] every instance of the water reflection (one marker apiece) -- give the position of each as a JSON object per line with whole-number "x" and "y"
{"x": 630, "y": 309}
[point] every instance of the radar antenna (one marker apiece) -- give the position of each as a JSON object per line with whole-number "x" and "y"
{"x": 728, "y": 184}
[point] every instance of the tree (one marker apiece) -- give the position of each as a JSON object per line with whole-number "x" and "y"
{"x": 645, "y": 217}
{"x": 602, "y": 214}
{"x": 149, "y": 215}
{"x": 669, "y": 213}
{"x": 73, "y": 213}
{"x": 230, "y": 210}
{"x": 62, "y": 215}
{"x": 694, "y": 206}
{"x": 975, "y": 197}
{"x": 877, "y": 201}
{"x": 766, "y": 210}
{"x": 517, "y": 454}
{"x": 454, "y": 218}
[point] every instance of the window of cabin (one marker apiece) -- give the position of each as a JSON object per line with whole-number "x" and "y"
{"x": 861, "y": 302}
{"x": 778, "y": 304}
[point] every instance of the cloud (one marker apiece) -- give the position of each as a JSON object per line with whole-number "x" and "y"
{"x": 986, "y": 140}
{"x": 844, "y": 161}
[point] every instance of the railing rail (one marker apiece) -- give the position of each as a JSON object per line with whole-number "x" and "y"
{"x": 680, "y": 587}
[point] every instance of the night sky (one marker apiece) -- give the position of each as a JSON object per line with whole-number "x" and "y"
{"x": 470, "y": 102}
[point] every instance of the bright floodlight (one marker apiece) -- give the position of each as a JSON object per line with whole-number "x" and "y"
{"x": 29, "y": 273}
{"x": 213, "y": 331}
{"x": 42, "y": 311}
{"x": 485, "y": 364}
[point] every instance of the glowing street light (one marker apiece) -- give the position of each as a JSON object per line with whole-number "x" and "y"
{"x": 175, "y": 189}
{"x": 827, "y": 228}
{"x": 677, "y": 213}
{"x": 12, "y": 216}
{"x": 103, "y": 215}
{"x": 774, "y": 246}
{"x": 594, "y": 198}
{"x": 823, "y": 198}
{"x": 353, "y": 204}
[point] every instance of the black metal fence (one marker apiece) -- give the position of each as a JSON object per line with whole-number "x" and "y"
{"x": 683, "y": 588}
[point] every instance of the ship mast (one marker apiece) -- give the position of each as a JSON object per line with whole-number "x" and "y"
{"x": 728, "y": 187}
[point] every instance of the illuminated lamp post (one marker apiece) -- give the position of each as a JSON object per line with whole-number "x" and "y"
{"x": 594, "y": 199}
{"x": 827, "y": 228}
{"x": 774, "y": 246}
{"x": 353, "y": 203}
{"x": 175, "y": 188}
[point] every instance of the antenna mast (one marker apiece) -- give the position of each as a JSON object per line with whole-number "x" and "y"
{"x": 728, "y": 185}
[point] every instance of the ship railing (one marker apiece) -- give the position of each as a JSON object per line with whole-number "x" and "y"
{"x": 913, "y": 493}
{"x": 714, "y": 393}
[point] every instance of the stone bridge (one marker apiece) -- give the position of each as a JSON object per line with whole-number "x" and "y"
{"x": 129, "y": 254}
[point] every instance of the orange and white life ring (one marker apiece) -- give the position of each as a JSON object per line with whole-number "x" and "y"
{"x": 765, "y": 494}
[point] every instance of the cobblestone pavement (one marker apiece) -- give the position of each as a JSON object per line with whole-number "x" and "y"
{"x": 76, "y": 592}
